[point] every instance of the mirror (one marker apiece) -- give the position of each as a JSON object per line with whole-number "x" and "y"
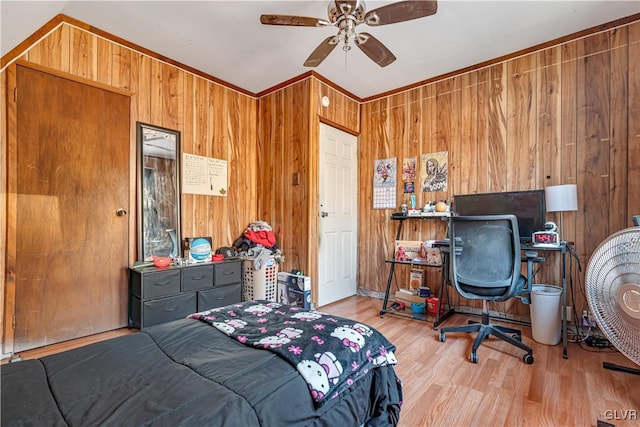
{"x": 158, "y": 192}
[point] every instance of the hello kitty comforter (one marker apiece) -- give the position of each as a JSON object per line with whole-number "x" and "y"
{"x": 331, "y": 353}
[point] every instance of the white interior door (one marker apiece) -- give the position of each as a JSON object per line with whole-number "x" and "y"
{"x": 338, "y": 250}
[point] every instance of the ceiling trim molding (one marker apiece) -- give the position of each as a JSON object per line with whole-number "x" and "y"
{"x": 561, "y": 40}
{"x": 59, "y": 19}
{"x": 304, "y": 76}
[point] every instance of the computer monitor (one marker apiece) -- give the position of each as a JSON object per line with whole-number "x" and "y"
{"x": 528, "y": 206}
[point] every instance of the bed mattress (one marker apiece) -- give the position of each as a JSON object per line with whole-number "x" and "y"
{"x": 183, "y": 373}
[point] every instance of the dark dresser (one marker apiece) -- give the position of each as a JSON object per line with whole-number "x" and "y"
{"x": 162, "y": 295}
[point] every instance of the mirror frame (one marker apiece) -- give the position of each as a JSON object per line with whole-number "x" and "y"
{"x": 145, "y": 254}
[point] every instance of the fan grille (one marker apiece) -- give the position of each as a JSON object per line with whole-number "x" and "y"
{"x": 615, "y": 264}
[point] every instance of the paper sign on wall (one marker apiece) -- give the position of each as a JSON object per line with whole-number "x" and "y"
{"x": 204, "y": 175}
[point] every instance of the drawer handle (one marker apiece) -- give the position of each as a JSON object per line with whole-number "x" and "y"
{"x": 171, "y": 309}
{"x": 161, "y": 283}
{"x": 228, "y": 273}
{"x": 198, "y": 277}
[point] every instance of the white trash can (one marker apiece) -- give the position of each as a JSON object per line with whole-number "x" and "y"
{"x": 545, "y": 314}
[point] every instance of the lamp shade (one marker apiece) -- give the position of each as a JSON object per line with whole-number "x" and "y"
{"x": 561, "y": 198}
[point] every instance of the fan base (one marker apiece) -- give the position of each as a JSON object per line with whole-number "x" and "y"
{"x": 620, "y": 368}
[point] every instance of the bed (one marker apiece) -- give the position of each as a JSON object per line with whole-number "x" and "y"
{"x": 222, "y": 367}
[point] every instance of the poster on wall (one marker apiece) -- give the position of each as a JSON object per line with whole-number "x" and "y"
{"x": 204, "y": 175}
{"x": 409, "y": 168}
{"x": 384, "y": 183}
{"x": 434, "y": 169}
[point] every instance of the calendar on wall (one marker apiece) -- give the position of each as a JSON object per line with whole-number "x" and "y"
{"x": 384, "y": 183}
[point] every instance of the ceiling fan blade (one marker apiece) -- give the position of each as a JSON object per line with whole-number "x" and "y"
{"x": 374, "y": 49}
{"x": 297, "y": 21}
{"x": 322, "y": 51}
{"x": 400, "y": 12}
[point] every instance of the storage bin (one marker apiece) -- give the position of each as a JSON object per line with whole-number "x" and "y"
{"x": 259, "y": 284}
{"x": 418, "y": 307}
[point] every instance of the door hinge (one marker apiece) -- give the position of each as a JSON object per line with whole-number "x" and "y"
{"x": 13, "y": 322}
{"x": 15, "y": 94}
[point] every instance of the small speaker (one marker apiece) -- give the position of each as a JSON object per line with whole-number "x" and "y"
{"x": 636, "y": 220}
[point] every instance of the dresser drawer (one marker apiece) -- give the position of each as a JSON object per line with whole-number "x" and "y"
{"x": 219, "y": 296}
{"x": 167, "y": 309}
{"x": 197, "y": 277}
{"x": 158, "y": 283}
{"x": 227, "y": 272}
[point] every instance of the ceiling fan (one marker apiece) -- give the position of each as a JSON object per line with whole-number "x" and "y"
{"x": 346, "y": 16}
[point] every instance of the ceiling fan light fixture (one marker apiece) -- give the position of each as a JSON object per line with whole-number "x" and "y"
{"x": 346, "y": 15}
{"x": 338, "y": 10}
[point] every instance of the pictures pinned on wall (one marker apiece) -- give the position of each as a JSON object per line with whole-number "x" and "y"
{"x": 434, "y": 171}
{"x": 384, "y": 183}
{"x": 409, "y": 187}
{"x": 409, "y": 168}
{"x": 434, "y": 168}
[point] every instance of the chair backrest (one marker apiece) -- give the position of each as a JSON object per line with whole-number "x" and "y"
{"x": 487, "y": 261}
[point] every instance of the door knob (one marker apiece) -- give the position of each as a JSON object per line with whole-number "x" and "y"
{"x": 121, "y": 212}
{"x": 324, "y": 214}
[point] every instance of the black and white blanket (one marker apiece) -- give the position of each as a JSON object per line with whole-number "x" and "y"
{"x": 330, "y": 352}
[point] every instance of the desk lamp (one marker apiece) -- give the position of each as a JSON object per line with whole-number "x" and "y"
{"x": 561, "y": 198}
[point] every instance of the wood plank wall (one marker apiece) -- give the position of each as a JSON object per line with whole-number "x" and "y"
{"x": 565, "y": 114}
{"x": 288, "y": 135}
{"x": 214, "y": 121}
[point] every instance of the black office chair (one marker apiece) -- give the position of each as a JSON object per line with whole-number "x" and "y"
{"x": 487, "y": 266}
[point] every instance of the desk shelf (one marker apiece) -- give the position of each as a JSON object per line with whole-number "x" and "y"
{"x": 441, "y": 314}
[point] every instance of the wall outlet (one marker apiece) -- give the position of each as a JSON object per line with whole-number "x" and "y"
{"x": 587, "y": 320}
{"x": 568, "y": 314}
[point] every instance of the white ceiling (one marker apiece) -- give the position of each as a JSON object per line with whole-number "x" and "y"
{"x": 226, "y": 40}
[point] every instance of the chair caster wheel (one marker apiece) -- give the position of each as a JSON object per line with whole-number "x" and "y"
{"x": 442, "y": 338}
{"x": 528, "y": 358}
{"x": 474, "y": 357}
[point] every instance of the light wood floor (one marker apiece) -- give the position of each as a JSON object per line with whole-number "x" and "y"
{"x": 442, "y": 388}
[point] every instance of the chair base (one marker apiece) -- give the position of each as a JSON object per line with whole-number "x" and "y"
{"x": 484, "y": 330}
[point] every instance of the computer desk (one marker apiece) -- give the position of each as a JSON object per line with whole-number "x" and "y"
{"x": 563, "y": 248}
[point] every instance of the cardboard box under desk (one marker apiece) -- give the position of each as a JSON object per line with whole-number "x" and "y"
{"x": 408, "y": 299}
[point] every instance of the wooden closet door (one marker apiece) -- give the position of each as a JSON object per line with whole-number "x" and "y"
{"x": 72, "y": 176}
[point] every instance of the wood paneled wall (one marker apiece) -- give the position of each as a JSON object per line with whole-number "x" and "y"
{"x": 288, "y": 135}
{"x": 214, "y": 121}
{"x": 565, "y": 114}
